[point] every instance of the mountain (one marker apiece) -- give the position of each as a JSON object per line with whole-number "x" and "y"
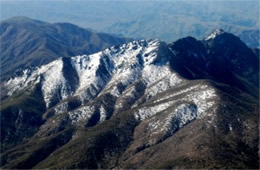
{"x": 148, "y": 27}
{"x": 220, "y": 56}
{"x": 143, "y": 104}
{"x": 148, "y": 19}
{"x": 26, "y": 42}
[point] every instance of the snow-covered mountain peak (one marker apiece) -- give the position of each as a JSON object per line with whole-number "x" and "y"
{"x": 135, "y": 100}
{"x": 214, "y": 34}
{"x": 87, "y": 75}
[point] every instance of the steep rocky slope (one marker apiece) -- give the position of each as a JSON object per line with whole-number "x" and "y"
{"x": 144, "y": 104}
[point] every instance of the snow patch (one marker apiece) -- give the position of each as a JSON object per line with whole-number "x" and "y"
{"x": 83, "y": 113}
{"x": 60, "y": 108}
{"x": 214, "y": 34}
{"x": 147, "y": 112}
{"x": 103, "y": 114}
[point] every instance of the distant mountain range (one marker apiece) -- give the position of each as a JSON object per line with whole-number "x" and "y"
{"x": 26, "y": 42}
{"x": 143, "y": 104}
{"x": 171, "y": 20}
{"x": 167, "y": 20}
{"x": 169, "y": 28}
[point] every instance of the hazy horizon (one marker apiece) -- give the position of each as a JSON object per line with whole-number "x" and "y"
{"x": 164, "y": 19}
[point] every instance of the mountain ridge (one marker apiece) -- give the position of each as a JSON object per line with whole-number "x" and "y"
{"x": 133, "y": 105}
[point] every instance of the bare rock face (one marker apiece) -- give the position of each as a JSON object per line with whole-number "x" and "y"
{"x": 144, "y": 104}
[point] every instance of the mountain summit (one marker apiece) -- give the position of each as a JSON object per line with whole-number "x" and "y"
{"x": 215, "y": 33}
{"x": 143, "y": 104}
{"x": 221, "y": 57}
